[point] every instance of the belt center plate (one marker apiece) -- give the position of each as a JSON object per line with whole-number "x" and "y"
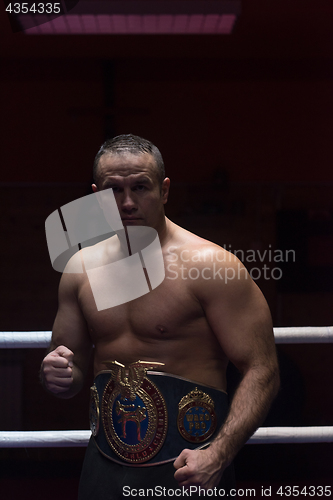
{"x": 134, "y": 413}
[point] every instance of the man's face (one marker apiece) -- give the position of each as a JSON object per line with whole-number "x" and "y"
{"x": 134, "y": 180}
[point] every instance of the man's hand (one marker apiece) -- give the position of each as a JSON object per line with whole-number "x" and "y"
{"x": 57, "y": 370}
{"x": 198, "y": 468}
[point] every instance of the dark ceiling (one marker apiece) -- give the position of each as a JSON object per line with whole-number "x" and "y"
{"x": 275, "y": 29}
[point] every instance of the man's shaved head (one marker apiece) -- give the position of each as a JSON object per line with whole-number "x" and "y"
{"x": 129, "y": 144}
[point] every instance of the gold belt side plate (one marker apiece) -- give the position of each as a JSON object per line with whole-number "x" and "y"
{"x": 196, "y": 416}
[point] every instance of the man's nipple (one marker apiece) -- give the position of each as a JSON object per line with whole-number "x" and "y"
{"x": 161, "y": 329}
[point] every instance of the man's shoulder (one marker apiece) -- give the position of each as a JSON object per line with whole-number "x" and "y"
{"x": 208, "y": 269}
{"x": 188, "y": 246}
{"x": 90, "y": 257}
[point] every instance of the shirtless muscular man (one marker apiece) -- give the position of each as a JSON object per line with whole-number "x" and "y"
{"x": 192, "y": 326}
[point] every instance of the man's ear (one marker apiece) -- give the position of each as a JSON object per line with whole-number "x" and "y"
{"x": 165, "y": 190}
{"x": 97, "y": 192}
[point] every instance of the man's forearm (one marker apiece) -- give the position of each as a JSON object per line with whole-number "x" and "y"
{"x": 248, "y": 410}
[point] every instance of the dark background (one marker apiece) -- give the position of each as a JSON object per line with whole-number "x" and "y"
{"x": 244, "y": 122}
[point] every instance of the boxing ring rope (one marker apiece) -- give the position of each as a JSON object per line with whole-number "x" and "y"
{"x": 283, "y": 335}
{"x": 61, "y": 439}
{"x": 264, "y": 435}
{"x": 23, "y": 340}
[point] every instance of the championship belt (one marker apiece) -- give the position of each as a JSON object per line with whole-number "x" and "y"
{"x": 140, "y": 417}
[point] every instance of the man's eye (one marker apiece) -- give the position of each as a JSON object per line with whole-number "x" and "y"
{"x": 140, "y": 187}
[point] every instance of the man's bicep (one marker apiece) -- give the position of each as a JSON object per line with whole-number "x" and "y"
{"x": 240, "y": 318}
{"x": 70, "y": 328}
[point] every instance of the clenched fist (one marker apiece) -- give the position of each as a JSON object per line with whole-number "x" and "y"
{"x": 199, "y": 468}
{"x": 57, "y": 370}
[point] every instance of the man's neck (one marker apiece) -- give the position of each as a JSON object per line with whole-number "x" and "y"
{"x": 167, "y": 231}
{"x": 164, "y": 231}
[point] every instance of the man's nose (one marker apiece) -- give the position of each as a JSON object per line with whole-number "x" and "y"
{"x": 128, "y": 201}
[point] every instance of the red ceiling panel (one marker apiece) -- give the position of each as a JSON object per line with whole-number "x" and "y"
{"x": 137, "y": 17}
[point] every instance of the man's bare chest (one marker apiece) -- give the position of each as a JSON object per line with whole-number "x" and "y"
{"x": 168, "y": 311}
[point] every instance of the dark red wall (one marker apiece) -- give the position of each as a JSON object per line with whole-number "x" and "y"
{"x": 258, "y": 120}
{"x": 256, "y": 105}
